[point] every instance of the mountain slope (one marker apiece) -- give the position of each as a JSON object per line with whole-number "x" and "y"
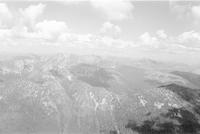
{"x": 83, "y": 96}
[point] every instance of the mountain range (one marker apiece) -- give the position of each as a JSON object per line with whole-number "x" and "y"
{"x": 88, "y": 94}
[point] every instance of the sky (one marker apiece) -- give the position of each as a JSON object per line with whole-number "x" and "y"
{"x": 164, "y": 30}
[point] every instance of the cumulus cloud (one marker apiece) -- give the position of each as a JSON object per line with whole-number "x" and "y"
{"x": 147, "y": 39}
{"x": 109, "y": 29}
{"x": 161, "y": 34}
{"x": 185, "y": 43}
{"x": 114, "y": 9}
{"x": 4, "y": 33}
{"x": 51, "y": 29}
{"x": 5, "y": 14}
{"x": 196, "y": 11}
{"x": 186, "y": 10}
{"x": 182, "y": 9}
{"x": 189, "y": 39}
{"x": 189, "y": 36}
{"x": 31, "y": 13}
{"x": 57, "y": 32}
{"x": 51, "y": 32}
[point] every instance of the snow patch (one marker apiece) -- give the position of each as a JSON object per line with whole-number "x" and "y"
{"x": 69, "y": 77}
{"x": 173, "y": 105}
{"x": 158, "y": 105}
{"x": 142, "y": 100}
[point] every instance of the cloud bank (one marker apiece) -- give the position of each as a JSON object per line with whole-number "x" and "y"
{"x": 34, "y": 33}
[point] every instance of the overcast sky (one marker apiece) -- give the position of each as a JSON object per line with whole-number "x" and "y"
{"x": 168, "y": 30}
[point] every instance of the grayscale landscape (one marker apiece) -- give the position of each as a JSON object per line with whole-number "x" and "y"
{"x": 99, "y": 67}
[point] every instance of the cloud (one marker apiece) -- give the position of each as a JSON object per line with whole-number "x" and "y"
{"x": 109, "y": 29}
{"x": 26, "y": 25}
{"x": 185, "y": 43}
{"x": 5, "y": 14}
{"x": 180, "y": 8}
{"x": 147, "y": 39}
{"x": 31, "y": 13}
{"x": 189, "y": 36}
{"x": 161, "y": 34}
{"x": 54, "y": 33}
{"x": 189, "y": 39}
{"x": 44, "y": 31}
{"x": 114, "y": 9}
{"x": 186, "y": 10}
{"x": 51, "y": 29}
{"x": 196, "y": 11}
{"x": 4, "y": 33}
